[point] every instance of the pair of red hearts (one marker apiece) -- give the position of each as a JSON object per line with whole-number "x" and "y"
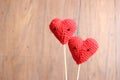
{"x": 81, "y": 50}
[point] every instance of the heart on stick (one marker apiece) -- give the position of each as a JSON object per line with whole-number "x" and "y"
{"x": 63, "y": 29}
{"x": 82, "y": 50}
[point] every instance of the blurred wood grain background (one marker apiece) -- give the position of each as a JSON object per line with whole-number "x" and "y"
{"x": 29, "y": 51}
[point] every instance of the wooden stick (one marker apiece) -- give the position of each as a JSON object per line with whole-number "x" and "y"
{"x": 65, "y": 62}
{"x": 78, "y": 72}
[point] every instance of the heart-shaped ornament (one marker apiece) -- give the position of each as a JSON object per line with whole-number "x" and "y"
{"x": 82, "y": 50}
{"x": 63, "y": 29}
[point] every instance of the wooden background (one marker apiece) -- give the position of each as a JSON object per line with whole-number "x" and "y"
{"x": 28, "y": 50}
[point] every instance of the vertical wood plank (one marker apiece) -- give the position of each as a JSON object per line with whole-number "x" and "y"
{"x": 117, "y": 22}
{"x": 97, "y": 21}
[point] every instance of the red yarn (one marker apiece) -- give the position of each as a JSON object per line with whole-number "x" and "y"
{"x": 63, "y": 29}
{"x": 82, "y": 50}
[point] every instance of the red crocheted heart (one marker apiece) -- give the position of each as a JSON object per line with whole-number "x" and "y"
{"x": 82, "y": 50}
{"x": 63, "y": 29}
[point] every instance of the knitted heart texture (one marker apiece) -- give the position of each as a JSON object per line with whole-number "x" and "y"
{"x": 63, "y": 29}
{"x": 82, "y": 50}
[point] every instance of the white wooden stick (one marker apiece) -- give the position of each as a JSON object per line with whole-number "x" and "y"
{"x": 65, "y": 62}
{"x": 78, "y": 72}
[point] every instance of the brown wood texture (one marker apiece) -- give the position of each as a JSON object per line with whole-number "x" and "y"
{"x": 29, "y": 51}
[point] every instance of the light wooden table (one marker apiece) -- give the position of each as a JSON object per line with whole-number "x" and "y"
{"x": 28, "y": 50}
